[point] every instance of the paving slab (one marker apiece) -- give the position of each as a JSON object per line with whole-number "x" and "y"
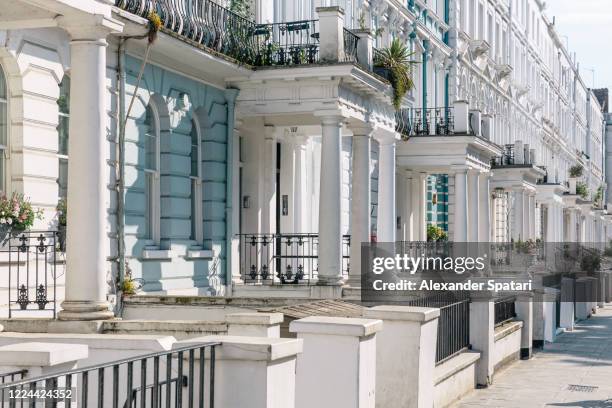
{"x": 575, "y": 371}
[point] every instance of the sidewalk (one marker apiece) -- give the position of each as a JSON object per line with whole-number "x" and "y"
{"x": 581, "y": 358}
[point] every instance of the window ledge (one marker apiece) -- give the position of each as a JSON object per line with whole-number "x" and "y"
{"x": 200, "y": 254}
{"x": 153, "y": 253}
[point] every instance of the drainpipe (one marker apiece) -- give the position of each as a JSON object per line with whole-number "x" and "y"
{"x": 120, "y": 164}
{"x": 230, "y": 96}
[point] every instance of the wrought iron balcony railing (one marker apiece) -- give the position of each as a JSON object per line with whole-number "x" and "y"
{"x": 423, "y": 122}
{"x": 290, "y": 43}
{"x": 261, "y": 45}
{"x": 350, "y": 46}
{"x": 283, "y": 258}
{"x": 505, "y": 310}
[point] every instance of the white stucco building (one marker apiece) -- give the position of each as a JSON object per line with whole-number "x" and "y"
{"x": 262, "y": 153}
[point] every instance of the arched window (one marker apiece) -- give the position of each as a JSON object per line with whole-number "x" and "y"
{"x": 63, "y": 104}
{"x": 151, "y": 171}
{"x": 4, "y": 130}
{"x": 196, "y": 183}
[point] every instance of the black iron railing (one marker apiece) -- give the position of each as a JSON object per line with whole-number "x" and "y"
{"x": 424, "y": 122}
{"x": 350, "y": 46}
{"x": 453, "y": 323}
{"x": 283, "y": 258}
{"x": 203, "y": 22}
{"x": 156, "y": 379}
{"x": 32, "y": 275}
{"x": 505, "y": 310}
{"x": 290, "y": 43}
{"x": 506, "y": 158}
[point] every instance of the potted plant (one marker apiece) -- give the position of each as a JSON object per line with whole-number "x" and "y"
{"x": 576, "y": 171}
{"x": 16, "y": 215}
{"x": 62, "y": 213}
{"x": 582, "y": 190}
{"x": 394, "y": 63}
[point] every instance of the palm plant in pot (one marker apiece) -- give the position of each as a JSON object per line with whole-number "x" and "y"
{"x": 395, "y": 64}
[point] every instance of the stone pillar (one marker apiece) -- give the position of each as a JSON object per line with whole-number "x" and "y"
{"x": 42, "y": 358}
{"x": 331, "y": 34}
{"x": 482, "y": 339}
{"x": 550, "y": 223}
{"x": 300, "y": 216}
{"x": 461, "y": 114}
{"x": 360, "y": 200}
{"x": 254, "y": 324}
{"x": 532, "y": 216}
{"x": 364, "y": 47}
{"x": 473, "y": 206}
{"x": 517, "y": 219}
{"x": 421, "y": 200}
{"x": 409, "y": 207}
{"x": 524, "y": 312}
{"x": 461, "y": 208}
{"x": 86, "y": 266}
{"x": 254, "y": 372}
{"x": 405, "y": 355}
{"x": 268, "y": 211}
{"x": 338, "y": 365}
{"x": 484, "y": 233}
{"x": 386, "y": 191}
{"x": 330, "y": 212}
{"x": 526, "y": 216}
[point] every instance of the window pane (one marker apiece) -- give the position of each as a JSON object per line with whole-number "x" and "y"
{"x": 63, "y": 101}
{"x": 62, "y": 179}
{"x": 62, "y": 132}
{"x": 194, "y": 151}
{"x": 150, "y": 140}
{"x": 149, "y": 180}
{"x": 194, "y": 219}
{"x": 3, "y": 123}
{"x": 3, "y": 90}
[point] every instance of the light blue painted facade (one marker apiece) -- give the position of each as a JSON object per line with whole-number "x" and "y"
{"x": 179, "y": 101}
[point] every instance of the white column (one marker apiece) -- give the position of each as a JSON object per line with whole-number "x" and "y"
{"x": 473, "y": 206}
{"x": 421, "y": 196}
{"x": 330, "y": 212}
{"x": 550, "y": 223}
{"x": 300, "y": 216}
{"x": 268, "y": 211}
{"x": 525, "y": 229}
{"x": 461, "y": 208}
{"x": 532, "y": 216}
{"x": 386, "y": 191}
{"x": 409, "y": 208}
{"x": 517, "y": 222}
{"x": 360, "y": 200}
{"x": 86, "y": 267}
{"x": 484, "y": 235}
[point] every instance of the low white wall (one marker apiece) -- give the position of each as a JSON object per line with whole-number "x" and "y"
{"x": 507, "y": 347}
{"x": 454, "y": 378}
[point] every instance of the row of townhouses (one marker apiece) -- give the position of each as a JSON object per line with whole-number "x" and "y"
{"x": 247, "y": 146}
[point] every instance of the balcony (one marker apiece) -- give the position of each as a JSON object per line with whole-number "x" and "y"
{"x": 221, "y": 31}
{"x": 514, "y": 155}
{"x": 424, "y": 122}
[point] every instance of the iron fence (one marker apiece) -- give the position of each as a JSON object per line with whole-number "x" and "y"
{"x": 203, "y": 22}
{"x": 32, "y": 270}
{"x": 505, "y": 310}
{"x": 350, "y": 46}
{"x": 289, "y": 43}
{"x": 284, "y": 258}
{"x": 152, "y": 380}
{"x": 453, "y": 324}
{"x": 425, "y": 122}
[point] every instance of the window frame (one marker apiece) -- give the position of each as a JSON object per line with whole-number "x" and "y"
{"x": 152, "y": 189}
{"x": 196, "y": 232}
{"x": 61, "y": 156}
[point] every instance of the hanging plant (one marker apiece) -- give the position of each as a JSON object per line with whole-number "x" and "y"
{"x": 17, "y": 214}
{"x": 397, "y": 64}
{"x": 155, "y": 24}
